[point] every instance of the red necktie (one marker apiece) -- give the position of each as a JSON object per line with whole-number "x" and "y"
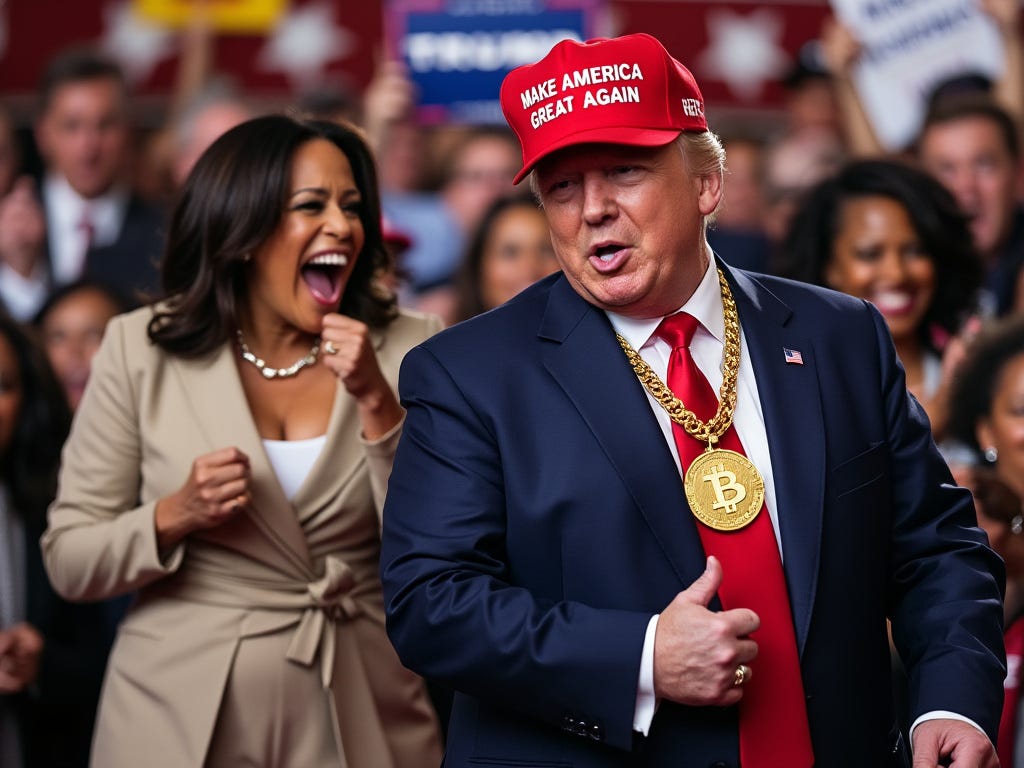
{"x": 773, "y": 714}
{"x": 88, "y": 232}
{"x": 1014, "y": 640}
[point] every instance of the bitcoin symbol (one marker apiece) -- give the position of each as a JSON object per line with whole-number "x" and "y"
{"x": 715, "y": 477}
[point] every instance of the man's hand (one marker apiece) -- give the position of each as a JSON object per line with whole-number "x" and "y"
{"x": 20, "y": 649}
{"x": 954, "y": 743}
{"x": 697, "y": 651}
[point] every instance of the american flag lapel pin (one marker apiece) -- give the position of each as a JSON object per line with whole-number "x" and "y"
{"x": 793, "y": 356}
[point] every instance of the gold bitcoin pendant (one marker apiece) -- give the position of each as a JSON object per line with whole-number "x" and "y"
{"x": 724, "y": 489}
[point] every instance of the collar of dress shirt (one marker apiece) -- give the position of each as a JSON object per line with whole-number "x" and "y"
{"x": 23, "y": 296}
{"x": 705, "y": 304}
{"x": 65, "y": 207}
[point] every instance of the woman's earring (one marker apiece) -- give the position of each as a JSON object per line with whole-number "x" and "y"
{"x": 991, "y": 454}
{"x": 1017, "y": 524}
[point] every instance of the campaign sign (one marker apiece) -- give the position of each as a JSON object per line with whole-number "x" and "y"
{"x": 909, "y": 47}
{"x": 459, "y": 51}
{"x": 237, "y": 16}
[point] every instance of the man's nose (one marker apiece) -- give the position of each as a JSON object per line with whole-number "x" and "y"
{"x": 598, "y": 200}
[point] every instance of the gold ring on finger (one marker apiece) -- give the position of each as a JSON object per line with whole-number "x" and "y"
{"x": 743, "y": 674}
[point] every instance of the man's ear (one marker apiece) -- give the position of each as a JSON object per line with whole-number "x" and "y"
{"x": 710, "y": 193}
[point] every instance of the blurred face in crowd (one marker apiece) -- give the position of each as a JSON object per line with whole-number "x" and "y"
{"x": 72, "y": 331}
{"x": 877, "y": 255}
{"x": 517, "y": 253}
{"x": 743, "y": 202}
{"x": 206, "y": 127}
{"x": 299, "y": 274}
{"x": 483, "y": 171}
{"x": 627, "y": 224}
{"x": 812, "y": 104}
{"x": 83, "y": 135}
{"x": 10, "y": 393}
{"x": 970, "y": 157}
{"x": 1003, "y": 428}
{"x": 792, "y": 166}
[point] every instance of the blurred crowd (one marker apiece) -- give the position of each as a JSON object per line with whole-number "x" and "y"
{"x": 932, "y": 235}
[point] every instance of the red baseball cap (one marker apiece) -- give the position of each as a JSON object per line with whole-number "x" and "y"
{"x": 623, "y": 90}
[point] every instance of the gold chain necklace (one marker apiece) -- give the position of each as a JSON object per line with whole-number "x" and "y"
{"x": 724, "y": 489}
{"x": 278, "y": 373}
{"x": 710, "y": 431}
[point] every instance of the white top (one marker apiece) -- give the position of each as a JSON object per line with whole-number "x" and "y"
{"x": 292, "y": 460}
{"x": 65, "y": 210}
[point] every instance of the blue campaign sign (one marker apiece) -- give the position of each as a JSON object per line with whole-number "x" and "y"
{"x": 459, "y": 51}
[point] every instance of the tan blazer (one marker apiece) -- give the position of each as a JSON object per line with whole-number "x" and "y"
{"x": 306, "y": 569}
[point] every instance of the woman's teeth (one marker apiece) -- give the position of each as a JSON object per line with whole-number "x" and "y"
{"x": 330, "y": 260}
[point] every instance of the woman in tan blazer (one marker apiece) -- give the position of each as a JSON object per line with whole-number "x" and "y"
{"x": 228, "y": 463}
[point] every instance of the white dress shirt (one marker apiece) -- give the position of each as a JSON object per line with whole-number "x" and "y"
{"x": 65, "y": 210}
{"x": 23, "y": 296}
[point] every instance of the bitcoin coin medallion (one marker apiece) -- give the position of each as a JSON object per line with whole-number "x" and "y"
{"x": 725, "y": 491}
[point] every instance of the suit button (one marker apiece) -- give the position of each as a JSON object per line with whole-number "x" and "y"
{"x": 596, "y": 732}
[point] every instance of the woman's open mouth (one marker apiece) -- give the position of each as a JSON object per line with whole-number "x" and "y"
{"x": 323, "y": 276}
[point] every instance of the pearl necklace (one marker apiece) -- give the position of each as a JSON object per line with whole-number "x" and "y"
{"x": 278, "y": 373}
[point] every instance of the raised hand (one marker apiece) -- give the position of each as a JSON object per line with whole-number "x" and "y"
{"x": 217, "y": 489}
{"x": 348, "y": 351}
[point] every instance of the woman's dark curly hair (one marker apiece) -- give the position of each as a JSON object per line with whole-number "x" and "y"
{"x": 979, "y": 377}
{"x": 231, "y": 203}
{"x": 933, "y": 213}
{"x": 28, "y": 466}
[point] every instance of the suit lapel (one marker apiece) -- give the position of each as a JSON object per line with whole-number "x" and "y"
{"x": 587, "y": 362}
{"x": 214, "y": 395}
{"x": 790, "y": 400}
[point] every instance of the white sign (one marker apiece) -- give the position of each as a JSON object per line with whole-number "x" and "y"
{"x": 908, "y": 47}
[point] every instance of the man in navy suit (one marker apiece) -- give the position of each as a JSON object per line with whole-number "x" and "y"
{"x": 542, "y": 554}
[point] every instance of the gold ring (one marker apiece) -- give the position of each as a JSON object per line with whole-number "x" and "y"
{"x": 743, "y": 674}
{"x": 329, "y": 348}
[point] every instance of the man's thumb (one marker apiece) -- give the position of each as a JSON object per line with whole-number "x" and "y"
{"x": 703, "y": 589}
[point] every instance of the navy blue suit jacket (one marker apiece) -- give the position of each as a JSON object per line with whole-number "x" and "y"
{"x": 535, "y": 521}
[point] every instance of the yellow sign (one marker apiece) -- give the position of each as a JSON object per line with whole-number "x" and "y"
{"x": 233, "y": 16}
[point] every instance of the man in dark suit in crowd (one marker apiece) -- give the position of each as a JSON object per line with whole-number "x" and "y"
{"x": 96, "y": 226}
{"x": 655, "y": 511}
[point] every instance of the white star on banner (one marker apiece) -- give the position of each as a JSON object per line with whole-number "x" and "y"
{"x": 744, "y": 51}
{"x": 138, "y": 45}
{"x": 304, "y": 41}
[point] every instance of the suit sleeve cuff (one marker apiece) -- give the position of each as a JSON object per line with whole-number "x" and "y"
{"x": 646, "y": 701}
{"x": 941, "y": 714}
